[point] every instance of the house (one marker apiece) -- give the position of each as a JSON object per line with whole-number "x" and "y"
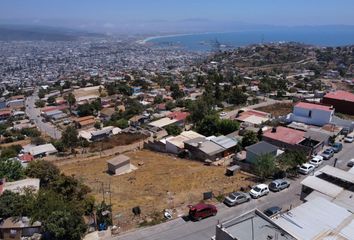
{"x": 20, "y": 185}
{"x": 291, "y": 139}
{"x": 250, "y": 225}
{"x": 229, "y": 144}
{"x": 18, "y": 228}
{"x": 331, "y": 183}
{"x": 137, "y": 120}
{"x": 252, "y": 117}
{"x": 163, "y": 122}
{"x": 40, "y": 150}
{"x": 342, "y": 101}
{"x": 317, "y": 218}
{"x": 179, "y": 116}
{"x": 16, "y": 103}
{"x": 119, "y": 164}
{"x": 312, "y": 114}
{"x": 85, "y": 122}
{"x": 106, "y": 113}
{"x": 176, "y": 144}
{"x": 93, "y": 134}
{"x": 5, "y": 114}
{"x": 203, "y": 149}
{"x": 261, "y": 148}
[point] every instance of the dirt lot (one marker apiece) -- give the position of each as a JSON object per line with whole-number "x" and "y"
{"x": 277, "y": 109}
{"x": 82, "y": 92}
{"x": 160, "y": 182}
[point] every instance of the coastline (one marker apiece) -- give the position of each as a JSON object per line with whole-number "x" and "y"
{"x": 144, "y": 41}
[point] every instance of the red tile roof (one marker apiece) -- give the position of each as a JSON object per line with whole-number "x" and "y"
{"x": 287, "y": 135}
{"x": 341, "y": 95}
{"x": 26, "y": 157}
{"x": 178, "y": 115}
{"x": 312, "y": 106}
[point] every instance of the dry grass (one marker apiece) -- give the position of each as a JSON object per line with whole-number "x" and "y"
{"x": 82, "y": 92}
{"x": 160, "y": 182}
{"x": 22, "y": 143}
{"x": 277, "y": 109}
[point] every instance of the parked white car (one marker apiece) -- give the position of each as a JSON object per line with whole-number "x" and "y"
{"x": 349, "y": 139}
{"x": 259, "y": 190}
{"x": 306, "y": 168}
{"x": 316, "y": 161}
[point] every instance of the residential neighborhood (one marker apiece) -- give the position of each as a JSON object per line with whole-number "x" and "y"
{"x": 108, "y": 136}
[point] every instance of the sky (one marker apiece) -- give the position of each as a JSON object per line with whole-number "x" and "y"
{"x": 119, "y": 14}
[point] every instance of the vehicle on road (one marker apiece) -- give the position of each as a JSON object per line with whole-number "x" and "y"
{"x": 272, "y": 211}
{"x": 350, "y": 163}
{"x": 278, "y": 185}
{"x": 201, "y": 210}
{"x": 306, "y": 168}
{"x": 259, "y": 190}
{"x": 337, "y": 147}
{"x": 349, "y": 138}
{"x": 328, "y": 153}
{"x": 236, "y": 198}
{"x": 316, "y": 161}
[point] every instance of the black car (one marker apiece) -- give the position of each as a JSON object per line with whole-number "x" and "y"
{"x": 272, "y": 211}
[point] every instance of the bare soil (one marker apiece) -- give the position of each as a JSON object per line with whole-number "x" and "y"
{"x": 160, "y": 182}
{"x": 277, "y": 109}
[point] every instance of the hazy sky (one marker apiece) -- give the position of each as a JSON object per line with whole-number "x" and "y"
{"x": 109, "y": 13}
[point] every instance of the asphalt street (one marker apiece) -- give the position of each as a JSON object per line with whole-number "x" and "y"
{"x": 34, "y": 114}
{"x": 179, "y": 229}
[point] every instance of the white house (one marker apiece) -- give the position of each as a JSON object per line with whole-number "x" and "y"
{"x": 312, "y": 114}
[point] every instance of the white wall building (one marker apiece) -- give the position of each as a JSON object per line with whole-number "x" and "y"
{"x": 312, "y": 114}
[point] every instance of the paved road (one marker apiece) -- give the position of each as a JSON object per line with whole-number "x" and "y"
{"x": 179, "y": 229}
{"x": 267, "y": 102}
{"x": 34, "y": 114}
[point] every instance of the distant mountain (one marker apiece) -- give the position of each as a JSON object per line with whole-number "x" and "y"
{"x": 38, "y": 33}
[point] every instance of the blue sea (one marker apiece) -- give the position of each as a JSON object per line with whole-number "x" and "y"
{"x": 212, "y": 41}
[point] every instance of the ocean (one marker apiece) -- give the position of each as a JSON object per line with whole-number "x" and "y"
{"x": 212, "y": 41}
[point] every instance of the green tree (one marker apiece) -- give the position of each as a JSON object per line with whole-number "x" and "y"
{"x": 260, "y": 134}
{"x": 38, "y": 141}
{"x": 265, "y": 166}
{"x": 11, "y": 151}
{"x": 39, "y": 103}
{"x": 249, "y": 138}
{"x": 11, "y": 170}
{"x": 227, "y": 126}
{"x": 97, "y": 125}
{"x": 51, "y": 100}
{"x": 208, "y": 125}
{"x": 15, "y": 204}
{"x": 61, "y": 219}
{"x": 46, "y": 171}
{"x": 41, "y": 93}
{"x": 292, "y": 159}
{"x": 70, "y": 137}
{"x": 122, "y": 123}
{"x": 71, "y": 100}
{"x": 173, "y": 130}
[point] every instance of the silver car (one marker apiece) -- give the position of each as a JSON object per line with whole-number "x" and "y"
{"x": 236, "y": 198}
{"x": 278, "y": 185}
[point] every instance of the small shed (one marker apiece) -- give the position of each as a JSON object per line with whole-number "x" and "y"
{"x": 232, "y": 170}
{"x": 119, "y": 164}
